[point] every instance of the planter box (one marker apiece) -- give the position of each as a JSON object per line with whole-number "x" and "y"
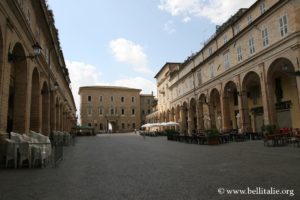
{"x": 213, "y": 141}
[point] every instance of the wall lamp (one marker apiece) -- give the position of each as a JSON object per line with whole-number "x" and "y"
{"x": 37, "y": 49}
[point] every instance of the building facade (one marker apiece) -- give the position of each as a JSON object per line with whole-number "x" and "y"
{"x": 119, "y": 107}
{"x": 34, "y": 88}
{"x": 246, "y": 75}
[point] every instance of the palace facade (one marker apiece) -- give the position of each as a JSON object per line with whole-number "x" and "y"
{"x": 124, "y": 109}
{"x": 245, "y": 76}
{"x": 35, "y": 89}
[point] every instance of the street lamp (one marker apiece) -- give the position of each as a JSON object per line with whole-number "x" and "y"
{"x": 37, "y": 49}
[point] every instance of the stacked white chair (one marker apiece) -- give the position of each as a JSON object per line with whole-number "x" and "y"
{"x": 11, "y": 152}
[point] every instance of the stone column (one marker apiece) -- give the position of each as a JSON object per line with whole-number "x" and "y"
{"x": 244, "y": 112}
{"x": 183, "y": 120}
{"x": 225, "y": 112}
{"x": 190, "y": 120}
{"x": 267, "y": 99}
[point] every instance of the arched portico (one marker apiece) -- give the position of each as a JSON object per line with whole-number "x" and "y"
{"x": 231, "y": 116}
{"x": 17, "y": 94}
{"x": 283, "y": 94}
{"x": 253, "y": 111}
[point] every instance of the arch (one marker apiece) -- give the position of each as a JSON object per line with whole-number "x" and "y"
{"x": 35, "y": 102}
{"x": 252, "y": 102}
{"x": 231, "y": 119}
{"x": 17, "y": 93}
{"x": 45, "y": 109}
{"x": 283, "y": 96}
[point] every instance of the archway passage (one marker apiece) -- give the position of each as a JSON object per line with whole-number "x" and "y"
{"x": 35, "y": 102}
{"x": 283, "y": 94}
{"x": 231, "y": 117}
{"x": 112, "y": 127}
{"x": 16, "y": 114}
{"x": 45, "y": 109}
{"x": 252, "y": 103}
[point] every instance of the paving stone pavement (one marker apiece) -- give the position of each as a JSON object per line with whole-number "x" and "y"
{"x": 126, "y": 166}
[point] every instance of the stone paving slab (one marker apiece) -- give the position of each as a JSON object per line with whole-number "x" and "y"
{"x": 126, "y": 166}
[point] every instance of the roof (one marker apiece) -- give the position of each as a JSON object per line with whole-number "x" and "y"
{"x": 165, "y": 65}
{"x": 108, "y": 87}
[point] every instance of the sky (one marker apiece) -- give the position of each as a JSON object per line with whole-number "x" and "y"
{"x": 126, "y": 42}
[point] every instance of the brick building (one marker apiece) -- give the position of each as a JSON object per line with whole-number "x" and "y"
{"x": 122, "y": 108}
{"x": 245, "y": 76}
{"x": 34, "y": 86}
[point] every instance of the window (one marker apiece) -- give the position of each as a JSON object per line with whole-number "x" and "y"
{"x": 239, "y": 54}
{"x": 265, "y": 37}
{"x": 100, "y": 111}
{"x": 133, "y": 111}
{"x": 149, "y": 111}
{"x": 143, "y": 112}
{"x": 210, "y": 50}
{"x": 132, "y": 99}
{"x": 89, "y": 98}
{"x": 283, "y": 22}
{"x": 89, "y": 111}
{"x": 123, "y": 125}
{"x": 133, "y": 125}
{"x": 123, "y": 111}
{"x": 262, "y": 8}
{"x": 122, "y": 99}
{"x": 112, "y": 111}
{"x": 199, "y": 78}
{"x": 112, "y": 98}
{"x": 251, "y": 45}
{"x": 225, "y": 39}
{"x": 226, "y": 60}
{"x": 211, "y": 70}
{"x": 237, "y": 29}
{"x": 249, "y": 19}
{"x": 101, "y": 126}
{"x": 95, "y": 125}
{"x": 90, "y": 124}
{"x": 149, "y": 101}
{"x": 101, "y": 98}
{"x": 28, "y": 16}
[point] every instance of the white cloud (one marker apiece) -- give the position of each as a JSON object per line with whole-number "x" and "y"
{"x": 128, "y": 52}
{"x": 146, "y": 85}
{"x": 169, "y": 27}
{"x": 82, "y": 74}
{"x": 217, "y": 11}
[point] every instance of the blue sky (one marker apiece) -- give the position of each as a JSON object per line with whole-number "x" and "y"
{"x": 126, "y": 42}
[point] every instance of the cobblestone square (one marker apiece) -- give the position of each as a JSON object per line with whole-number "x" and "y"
{"x": 126, "y": 166}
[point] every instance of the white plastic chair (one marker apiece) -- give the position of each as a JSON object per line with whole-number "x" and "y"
{"x": 11, "y": 152}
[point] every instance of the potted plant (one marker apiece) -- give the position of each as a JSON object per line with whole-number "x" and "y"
{"x": 212, "y": 136}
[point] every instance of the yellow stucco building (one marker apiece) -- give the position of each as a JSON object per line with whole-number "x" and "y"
{"x": 245, "y": 76}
